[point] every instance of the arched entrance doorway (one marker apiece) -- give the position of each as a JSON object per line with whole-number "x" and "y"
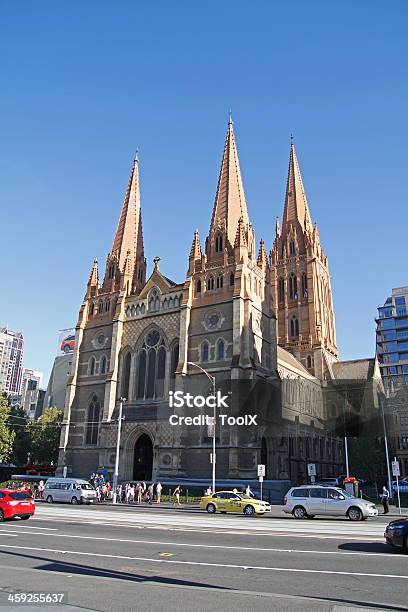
{"x": 143, "y": 458}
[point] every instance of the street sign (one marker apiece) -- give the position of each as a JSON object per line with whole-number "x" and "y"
{"x": 261, "y": 470}
{"x": 260, "y": 478}
{"x": 395, "y": 468}
{"x": 311, "y": 469}
{"x": 211, "y": 458}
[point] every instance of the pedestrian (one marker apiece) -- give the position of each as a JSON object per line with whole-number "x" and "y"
{"x": 248, "y": 491}
{"x": 176, "y": 495}
{"x": 208, "y": 491}
{"x": 158, "y": 492}
{"x": 150, "y": 493}
{"x": 139, "y": 493}
{"x": 41, "y": 489}
{"x": 385, "y": 496}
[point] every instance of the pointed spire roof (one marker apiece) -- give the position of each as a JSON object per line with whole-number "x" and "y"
{"x": 240, "y": 239}
{"x": 230, "y": 204}
{"x": 195, "y": 252}
{"x": 296, "y": 207}
{"x": 94, "y": 276}
{"x": 262, "y": 258}
{"x": 129, "y": 235}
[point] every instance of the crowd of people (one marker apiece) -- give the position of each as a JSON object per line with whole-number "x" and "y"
{"x": 132, "y": 492}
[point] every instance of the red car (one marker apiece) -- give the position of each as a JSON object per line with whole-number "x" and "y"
{"x": 15, "y": 503}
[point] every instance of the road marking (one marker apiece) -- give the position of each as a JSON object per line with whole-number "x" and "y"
{"x": 166, "y": 554}
{"x": 270, "y": 533}
{"x": 28, "y": 527}
{"x": 206, "y": 564}
{"x": 10, "y": 535}
{"x": 218, "y": 546}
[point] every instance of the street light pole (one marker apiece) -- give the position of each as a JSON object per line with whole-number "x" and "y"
{"x": 212, "y": 380}
{"x": 386, "y": 446}
{"x": 116, "y": 474}
{"x": 345, "y": 438}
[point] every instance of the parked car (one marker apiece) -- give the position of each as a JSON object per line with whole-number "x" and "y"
{"x": 69, "y": 490}
{"x": 327, "y": 482}
{"x": 308, "y": 501}
{"x": 15, "y": 503}
{"x": 403, "y": 485}
{"x": 228, "y": 501}
{"x": 396, "y": 534}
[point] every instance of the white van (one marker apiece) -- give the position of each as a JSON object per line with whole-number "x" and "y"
{"x": 69, "y": 490}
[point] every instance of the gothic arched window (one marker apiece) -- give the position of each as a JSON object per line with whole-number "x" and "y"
{"x": 218, "y": 243}
{"x": 220, "y": 350}
{"x": 151, "y": 366}
{"x": 309, "y": 361}
{"x": 92, "y": 366}
{"x": 210, "y": 283}
{"x": 292, "y": 287}
{"x": 198, "y": 286}
{"x": 174, "y": 360}
{"x": 294, "y": 327}
{"x": 220, "y": 282}
{"x": 111, "y": 273}
{"x": 232, "y": 279}
{"x": 103, "y": 365}
{"x": 205, "y": 352}
{"x": 91, "y": 309}
{"x": 92, "y": 426}
{"x": 154, "y": 300}
{"x": 126, "y": 376}
{"x": 281, "y": 289}
{"x": 304, "y": 285}
{"x": 292, "y": 247}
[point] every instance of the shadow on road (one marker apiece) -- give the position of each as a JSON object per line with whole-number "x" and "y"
{"x": 372, "y": 547}
{"x": 88, "y": 570}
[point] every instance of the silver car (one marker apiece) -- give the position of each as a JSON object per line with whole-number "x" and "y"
{"x": 308, "y": 500}
{"x": 69, "y": 490}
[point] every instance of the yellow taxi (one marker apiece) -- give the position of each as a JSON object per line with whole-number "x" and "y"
{"x": 229, "y": 501}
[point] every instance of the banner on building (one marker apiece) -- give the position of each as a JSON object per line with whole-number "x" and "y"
{"x": 66, "y": 341}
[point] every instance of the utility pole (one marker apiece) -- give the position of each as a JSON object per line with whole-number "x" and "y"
{"x": 116, "y": 474}
{"x": 387, "y": 457}
{"x": 345, "y": 438}
{"x": 213, "y": 455}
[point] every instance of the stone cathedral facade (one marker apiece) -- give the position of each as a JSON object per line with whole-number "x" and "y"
{"x": 249, "y": 318}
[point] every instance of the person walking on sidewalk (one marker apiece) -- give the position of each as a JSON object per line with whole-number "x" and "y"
{"x": 176, "y": 495}
{"x": 385, "y": 496}
{"x": 158, "y": 492}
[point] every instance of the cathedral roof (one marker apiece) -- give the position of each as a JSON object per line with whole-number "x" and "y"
{"x": 230, "y": 204}
{"x": 356, "y": 369}
{"x": 296, "y": 206}
{"x": 287, "y": 360}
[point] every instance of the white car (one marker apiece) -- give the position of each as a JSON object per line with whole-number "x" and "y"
{"x": 308, "y": 500}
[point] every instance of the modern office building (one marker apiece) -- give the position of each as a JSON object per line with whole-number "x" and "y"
{"x": 32, "y": 396}
{"x": 11, "y": 361}
{"x": 392, "y": 338}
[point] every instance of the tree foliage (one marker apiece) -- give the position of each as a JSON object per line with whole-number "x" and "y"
{"x": 7, "y": 434}
{"x": 22, "y": 441}
{"x": 45, "y": 437}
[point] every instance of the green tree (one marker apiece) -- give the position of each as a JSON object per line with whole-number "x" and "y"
{"x": 45, "y": 437}
{"x": 7, "y": 434}
{"x": 22, "y": 441}
{"x": 367, "y": 458}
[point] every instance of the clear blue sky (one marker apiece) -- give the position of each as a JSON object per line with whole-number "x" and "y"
{"x": 83, "y": 84}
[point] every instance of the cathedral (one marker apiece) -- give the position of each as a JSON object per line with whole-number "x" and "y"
{"x": 259, "y": 326}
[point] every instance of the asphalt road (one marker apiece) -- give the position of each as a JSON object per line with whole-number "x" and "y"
{"x": 107, "y": 558}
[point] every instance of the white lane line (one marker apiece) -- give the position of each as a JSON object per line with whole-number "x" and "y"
{"x": 204, "y": 564}
{"x": 27, "y": 527}
{"x": 10, "y": 535}
{"x": 218, "y": 546}
{"x": 271, "y": 533}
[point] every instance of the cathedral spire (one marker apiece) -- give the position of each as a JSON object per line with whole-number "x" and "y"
{"x": 262, "y": 258}
{"x": 296, "y": 207}
{"x": 128, "y": 235}
{"x": 195, "y": 252}
{"x": 230, "y": 204}
{"x": 93, "y": 282}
